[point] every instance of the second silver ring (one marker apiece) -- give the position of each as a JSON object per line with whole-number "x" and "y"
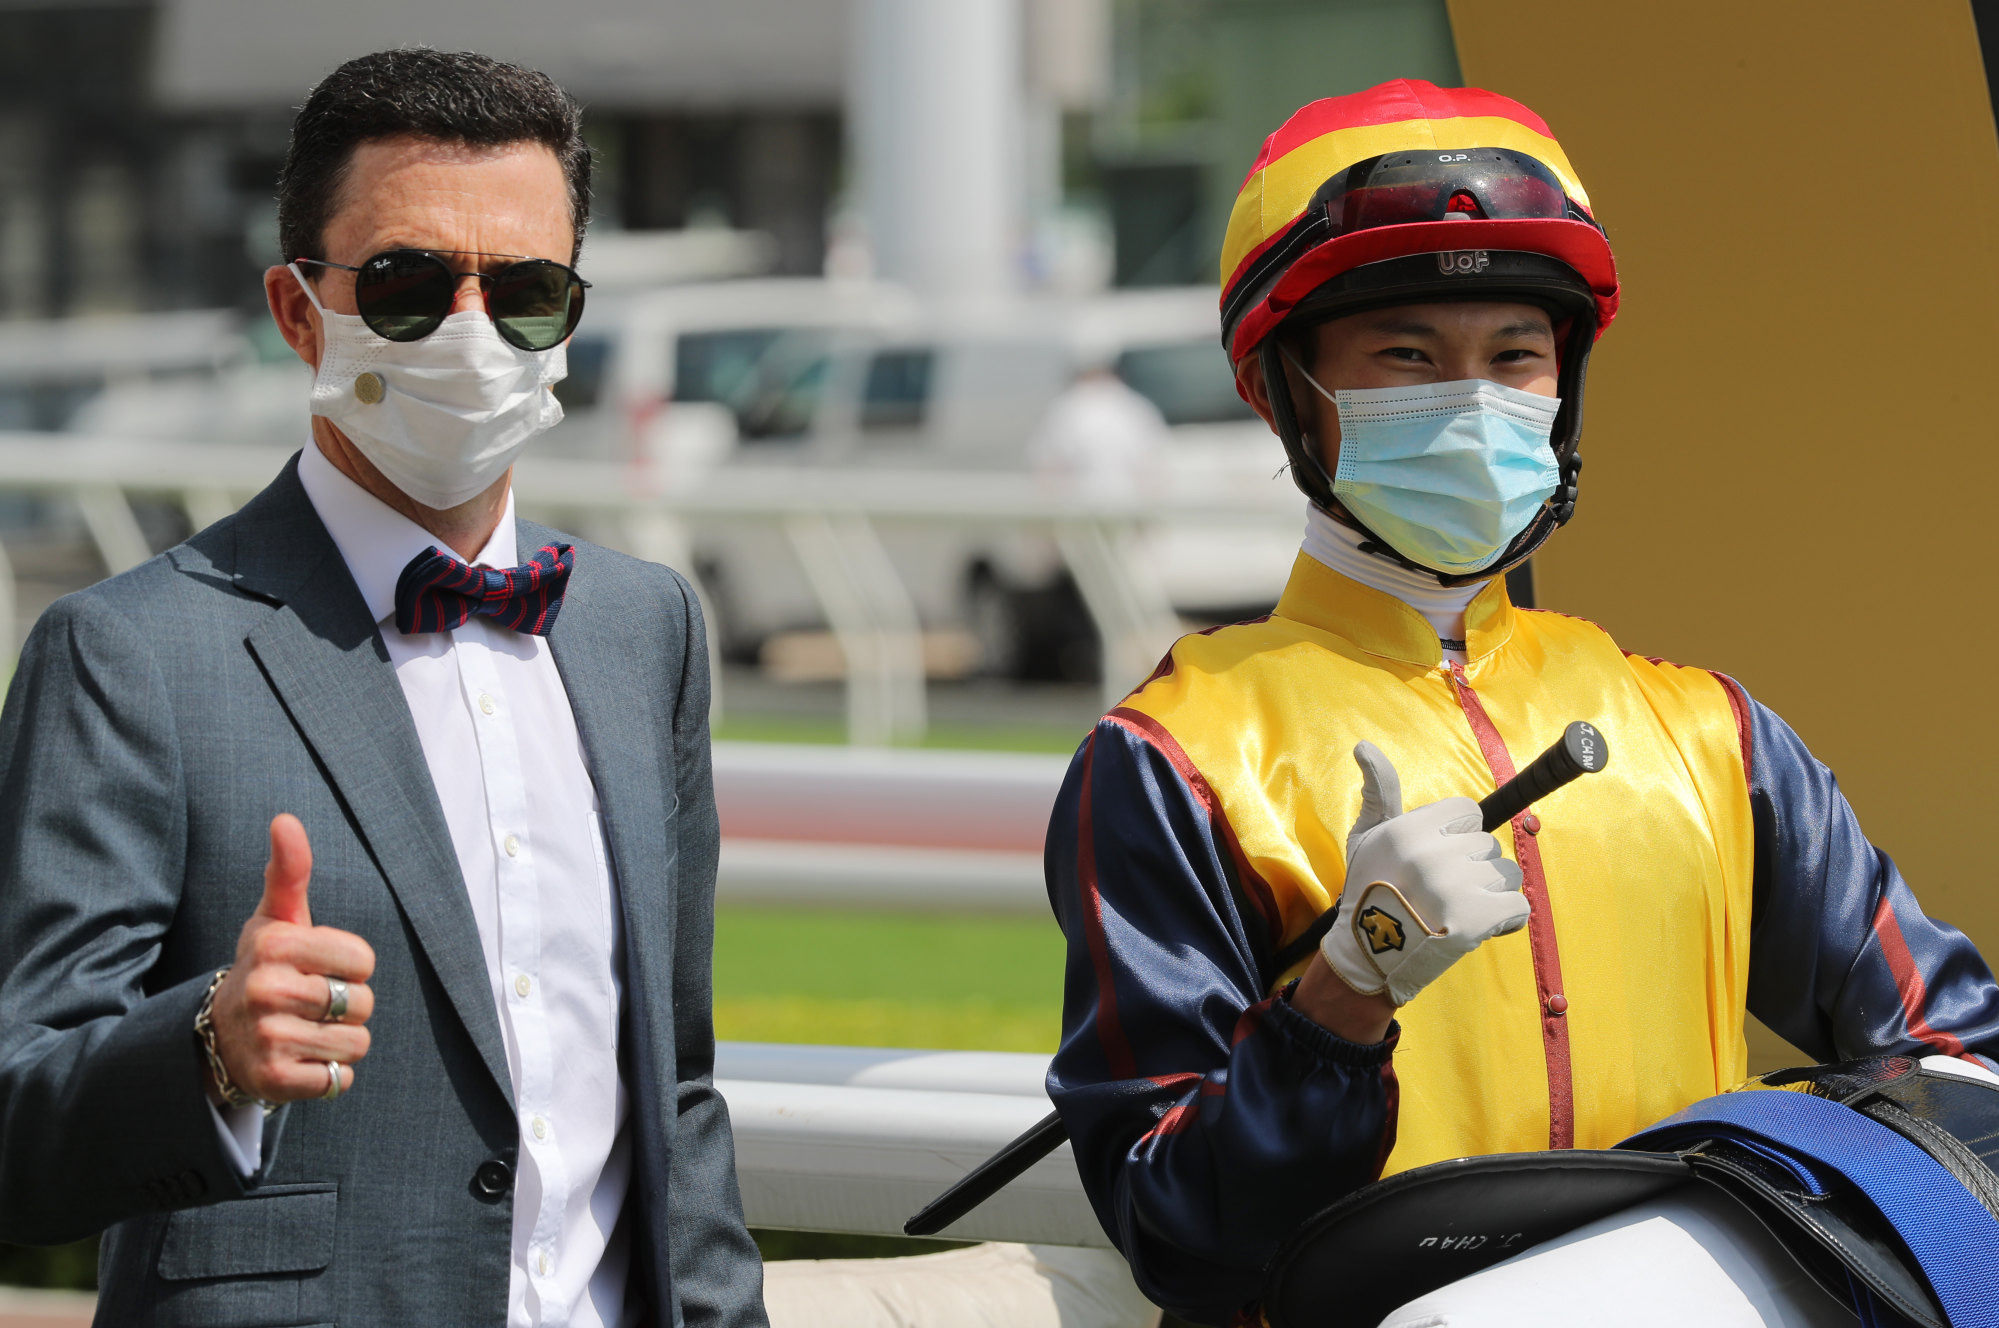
{"x": 336, "y": 1001}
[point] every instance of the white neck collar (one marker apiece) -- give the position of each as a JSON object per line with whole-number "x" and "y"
{"x": 1443, "y": 607}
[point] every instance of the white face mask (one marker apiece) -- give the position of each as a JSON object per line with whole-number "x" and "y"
{"x": 442, "y": 417}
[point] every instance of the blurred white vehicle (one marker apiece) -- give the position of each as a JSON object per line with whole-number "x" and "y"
{"x": 680, "y": 382}
{"x": 222, "y": 376}
{"x": 858, "y": 376}
{"x": 54, "y": 374}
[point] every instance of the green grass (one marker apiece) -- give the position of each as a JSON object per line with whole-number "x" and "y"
{"x": 831, "y": 730}
{"x": 888, "y": 980}
{"x": 884, "y": 980}
{"x": 65, "y": 1267}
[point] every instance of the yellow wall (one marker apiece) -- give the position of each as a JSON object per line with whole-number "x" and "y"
{"x": 1792, "y": 441}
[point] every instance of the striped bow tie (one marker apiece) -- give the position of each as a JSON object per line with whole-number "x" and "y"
{"x": 437, "y": 592}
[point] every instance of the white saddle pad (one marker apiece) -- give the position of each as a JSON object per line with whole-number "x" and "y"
{"x": 1691, "y": 1257}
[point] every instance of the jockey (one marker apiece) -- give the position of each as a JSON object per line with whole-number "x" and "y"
{"x": 1412, "y": 284}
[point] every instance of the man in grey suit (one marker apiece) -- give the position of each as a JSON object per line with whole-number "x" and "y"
{"x": 374, "y": 770}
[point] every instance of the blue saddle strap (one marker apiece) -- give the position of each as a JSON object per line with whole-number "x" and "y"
{"x": 1953, "y": 1237}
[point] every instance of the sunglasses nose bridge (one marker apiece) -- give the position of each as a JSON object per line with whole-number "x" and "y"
{"x": 469, "y": 295}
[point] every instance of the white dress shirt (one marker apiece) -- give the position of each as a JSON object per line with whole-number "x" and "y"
{"x": 501, "y": 743}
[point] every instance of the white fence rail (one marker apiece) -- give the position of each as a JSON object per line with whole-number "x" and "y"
{"x": 845, "y": 827}
{"x": 857, "y": 1139}
{"x": 829, "y": 1139}
{"x": 829, "y": 518}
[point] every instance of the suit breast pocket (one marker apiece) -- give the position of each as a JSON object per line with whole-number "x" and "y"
{"x": 264, "y": 1260}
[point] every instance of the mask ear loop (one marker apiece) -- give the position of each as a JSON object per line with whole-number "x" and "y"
{"x": 1292, "y": 360}
{"x": 306, "y": 286}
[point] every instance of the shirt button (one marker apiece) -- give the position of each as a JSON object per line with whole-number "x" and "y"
{"x": 512, "y": 844}
{"x": 522, "y": 985}
{"x": 540, "y": 1128}
{"x": 486, "y": 704}
{"x": 1558, "y": 1004}
{"x": 541, "y": 1262}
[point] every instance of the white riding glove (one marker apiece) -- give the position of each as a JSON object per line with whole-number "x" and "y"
{"x": 1423, "y": 889}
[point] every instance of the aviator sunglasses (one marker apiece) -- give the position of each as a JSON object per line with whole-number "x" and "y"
{"x": 405, "y": 294}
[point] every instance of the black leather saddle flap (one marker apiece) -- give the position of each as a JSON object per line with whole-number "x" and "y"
{"x": 1835, "y": 1237}
{"x": 1390, "y": 1242}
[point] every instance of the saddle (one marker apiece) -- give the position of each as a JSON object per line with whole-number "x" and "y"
{"x": 1390, "y": 1242}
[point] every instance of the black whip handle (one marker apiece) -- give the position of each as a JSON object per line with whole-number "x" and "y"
{"x": 1580, "y": 751}
{"x": 989, "y": 1177}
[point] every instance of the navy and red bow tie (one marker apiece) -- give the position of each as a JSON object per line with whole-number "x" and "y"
{"x": 438, "y": 593}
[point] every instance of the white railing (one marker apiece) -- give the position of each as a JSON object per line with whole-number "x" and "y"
{"x": 857, "y": 1139}
{"x": 829, "y": 518}
{"x": 858, "y": 827}
{"x": 828, "y": 1139}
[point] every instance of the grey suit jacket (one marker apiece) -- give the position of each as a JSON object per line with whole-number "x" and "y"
{"x": 156, "y": 723}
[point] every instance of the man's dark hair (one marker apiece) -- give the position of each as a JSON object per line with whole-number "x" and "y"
{"x": 450, "y": 96}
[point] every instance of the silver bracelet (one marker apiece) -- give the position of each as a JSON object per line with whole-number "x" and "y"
{"x": 204, "y": 1029}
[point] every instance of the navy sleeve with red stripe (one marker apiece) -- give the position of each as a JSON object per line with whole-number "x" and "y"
{"x": 1207, "y": 1120}
{"x": 1843, "y": 963}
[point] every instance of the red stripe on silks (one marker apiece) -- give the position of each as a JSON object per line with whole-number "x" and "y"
{"x": 1176, "y": 1119}
{"x": 1110, "y": 1030}
{"x": 1172, "y": 1080}
{"x": 1154, "y": 733}
{"x": 1391, "y": 1118}
{"x": 1540, "y": 924}
{"x": 1164, "y": 669}
{"x": 1738, "y": 701}
{"x": 1182, "y": 1115}
{"x": 1909, "y": 984}
{"x": 1249, "y": 1020}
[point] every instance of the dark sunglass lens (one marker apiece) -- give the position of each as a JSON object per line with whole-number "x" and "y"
{"x": 404, "y": 296}
{"x": 535, "y": 304}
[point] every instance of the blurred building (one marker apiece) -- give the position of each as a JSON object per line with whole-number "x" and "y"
{"x": 139, "y": 139}
{"x": 1199, "y": 84}
{"x": 139, "y": 142}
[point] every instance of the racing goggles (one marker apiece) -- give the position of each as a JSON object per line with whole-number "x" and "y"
{"x": 1477, "y": 184}
{"x": 405, "y": 295}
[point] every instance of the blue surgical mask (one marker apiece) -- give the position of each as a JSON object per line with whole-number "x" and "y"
{"x": 1448, "y": 473}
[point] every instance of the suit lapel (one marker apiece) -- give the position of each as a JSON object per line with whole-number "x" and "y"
{"x": 605, "y": 670}
{"x": 325, "y": 661}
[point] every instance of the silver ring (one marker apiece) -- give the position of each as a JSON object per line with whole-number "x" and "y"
{"x": 336, "y": 1001}
{"x": 333, "y": 1088}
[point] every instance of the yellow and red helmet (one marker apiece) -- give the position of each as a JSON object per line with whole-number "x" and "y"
{"x": 1406, "y": 168}
{"x": 1409, "y": 193}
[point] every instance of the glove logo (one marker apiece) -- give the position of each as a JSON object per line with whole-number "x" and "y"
{"x": 1383, "y": 930}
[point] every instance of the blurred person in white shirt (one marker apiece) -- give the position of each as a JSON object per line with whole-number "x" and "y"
{"x": 1100, "y": 439}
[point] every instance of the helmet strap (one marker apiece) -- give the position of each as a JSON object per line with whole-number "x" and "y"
{"x": 1308, "y": 470}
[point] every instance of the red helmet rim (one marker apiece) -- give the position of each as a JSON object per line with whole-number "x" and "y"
{"x": 1577, "y": 243}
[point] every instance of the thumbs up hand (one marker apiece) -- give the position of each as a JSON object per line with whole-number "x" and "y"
{"x": 271, "y": 1013}
{"x": 1424, "y": 888}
